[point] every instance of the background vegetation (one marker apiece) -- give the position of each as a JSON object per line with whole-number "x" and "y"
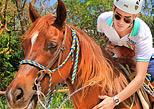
{"x": 14, "y": 22}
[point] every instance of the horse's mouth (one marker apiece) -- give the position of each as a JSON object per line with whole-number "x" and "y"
{"x": 33, "y": 102}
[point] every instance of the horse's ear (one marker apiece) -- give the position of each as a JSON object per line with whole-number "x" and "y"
{"x": 61, "y": 13}
{"x": 33, "y": 15}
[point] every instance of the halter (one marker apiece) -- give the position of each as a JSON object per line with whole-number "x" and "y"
{"x": 46, "y": 70}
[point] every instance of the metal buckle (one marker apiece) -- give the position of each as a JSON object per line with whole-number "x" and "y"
{"x": 62, "y": 48}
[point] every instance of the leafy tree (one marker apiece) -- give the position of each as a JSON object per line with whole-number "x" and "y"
{"x": 10, "y": 50}
{"x": 147, "y": 15}
{"x": 83, "y": 13}
{"x": 14, "y": 22}
{"x": 9, "y": 58}
{"x": 148, "y": 8}
{"x": 149, "y": 20}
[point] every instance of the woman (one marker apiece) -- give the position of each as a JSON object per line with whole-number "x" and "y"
{"x": 123, "y": 28}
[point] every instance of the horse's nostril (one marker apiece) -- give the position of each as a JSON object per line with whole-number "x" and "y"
{"x": 19, "y": 93}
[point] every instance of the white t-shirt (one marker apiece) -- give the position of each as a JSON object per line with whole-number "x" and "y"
{"x": 140, "y": 38}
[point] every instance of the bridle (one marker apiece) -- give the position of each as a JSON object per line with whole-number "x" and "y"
{"x": 74, "y": 52}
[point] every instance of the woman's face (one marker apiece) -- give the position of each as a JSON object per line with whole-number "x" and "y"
{"x": 122, "y": 20}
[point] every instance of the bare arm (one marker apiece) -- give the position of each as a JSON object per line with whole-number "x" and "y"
{"x": 134, "y": 85}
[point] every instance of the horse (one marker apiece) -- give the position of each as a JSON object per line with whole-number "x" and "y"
{"x": 48, "y": 42}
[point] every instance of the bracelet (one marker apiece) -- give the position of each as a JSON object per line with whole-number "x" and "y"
{"x": 116, "y": 100}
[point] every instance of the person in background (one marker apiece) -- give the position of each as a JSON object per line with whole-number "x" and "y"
{"x": 123, "y": 28}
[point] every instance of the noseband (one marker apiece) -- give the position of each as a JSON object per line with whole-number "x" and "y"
{"x": 46, "y": 70}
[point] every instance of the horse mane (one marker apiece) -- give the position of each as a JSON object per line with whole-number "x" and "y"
{"x": 95, "y": 67}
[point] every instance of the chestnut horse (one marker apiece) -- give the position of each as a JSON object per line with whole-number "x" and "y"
{"x": 41, "y": 44}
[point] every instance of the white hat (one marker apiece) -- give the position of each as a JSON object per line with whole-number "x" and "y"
{"x": 129, "y": 6}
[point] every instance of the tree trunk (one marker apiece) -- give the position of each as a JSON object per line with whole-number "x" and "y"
{"x": 3, "y": 13}
{"x": 22, "y": 18}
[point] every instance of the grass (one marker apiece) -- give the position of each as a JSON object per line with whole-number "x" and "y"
{"x": 57, "y": 99}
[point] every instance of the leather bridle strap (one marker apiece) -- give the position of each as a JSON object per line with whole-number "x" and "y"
{"x": 60, "y": 51}
{"x": 42, "y": 73}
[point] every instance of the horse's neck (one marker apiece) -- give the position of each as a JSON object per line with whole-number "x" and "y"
{"x": 72, "y": 88}
{"x": 79, "y": 100}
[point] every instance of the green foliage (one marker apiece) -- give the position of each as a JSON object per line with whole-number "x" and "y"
{"x": 83, "y": 14}
{"x": 3, "y": 103}
{"x": 148, "y": 8}
{"x": 59, "y": 98}
{"x": 10, "y": 56}
{"x": 10, "y": 49}
{"x": 149, "y": 20}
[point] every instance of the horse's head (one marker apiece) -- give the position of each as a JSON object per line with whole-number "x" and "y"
{"x": 41, "y": 44}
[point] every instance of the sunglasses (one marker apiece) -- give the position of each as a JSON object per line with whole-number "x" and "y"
{"x": 118, "y": 17}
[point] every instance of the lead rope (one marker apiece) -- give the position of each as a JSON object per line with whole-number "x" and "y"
{"x": 148, "y": 87}
{"x": 69, "y": 96}
{"x": 39, "y": 93}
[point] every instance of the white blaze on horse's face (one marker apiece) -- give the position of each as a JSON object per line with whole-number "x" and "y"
{"x": 34, "y": 37}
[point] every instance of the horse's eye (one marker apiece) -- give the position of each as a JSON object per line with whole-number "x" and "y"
{"x": 52, "y": 45}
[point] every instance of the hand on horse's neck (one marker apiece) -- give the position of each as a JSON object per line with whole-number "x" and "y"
{"x": 125, "y": 32}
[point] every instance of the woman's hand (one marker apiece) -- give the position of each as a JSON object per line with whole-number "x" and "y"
{"x": 107, "y": 103}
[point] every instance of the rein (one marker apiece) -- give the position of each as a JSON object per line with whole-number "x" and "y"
{"x": 45, "y": 70}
